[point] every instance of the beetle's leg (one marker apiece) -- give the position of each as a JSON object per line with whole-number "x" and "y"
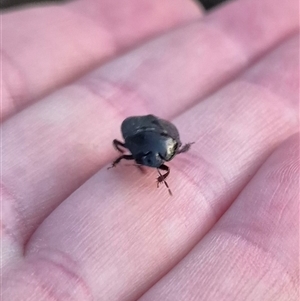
{"x": 185, "y": 148}
{"x": 117, "y": 145}
{"x": 126, "y": 157}
{"x": 162, "y": 178}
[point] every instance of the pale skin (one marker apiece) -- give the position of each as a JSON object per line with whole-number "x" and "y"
{"x": 229, "y": 81}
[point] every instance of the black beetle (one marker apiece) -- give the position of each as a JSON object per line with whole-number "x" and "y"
{"x": 151, "y": 141}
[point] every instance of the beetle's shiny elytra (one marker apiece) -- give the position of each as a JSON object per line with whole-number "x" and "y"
{"x": 151, "y": 141}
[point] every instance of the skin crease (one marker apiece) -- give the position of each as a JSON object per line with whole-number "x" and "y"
{"x": 71, "y": 230}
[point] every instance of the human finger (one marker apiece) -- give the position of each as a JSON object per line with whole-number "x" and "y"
{"x": 54, "y": 44}
{"x": 252, "y": 253}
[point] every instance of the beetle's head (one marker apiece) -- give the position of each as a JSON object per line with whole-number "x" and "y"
{"x": 150, "y": 159}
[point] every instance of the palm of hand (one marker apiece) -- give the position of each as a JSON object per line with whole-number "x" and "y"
{"x": 71, "y": 230}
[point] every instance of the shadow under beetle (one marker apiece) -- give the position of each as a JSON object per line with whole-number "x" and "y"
{"x": 151, "y": 142}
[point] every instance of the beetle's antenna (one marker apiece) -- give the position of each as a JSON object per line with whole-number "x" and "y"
{"x": 163, "y": 180}
{"x": 184, "y": 148}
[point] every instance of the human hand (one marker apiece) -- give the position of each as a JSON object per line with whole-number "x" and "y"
{"x": 74, "y": 231}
